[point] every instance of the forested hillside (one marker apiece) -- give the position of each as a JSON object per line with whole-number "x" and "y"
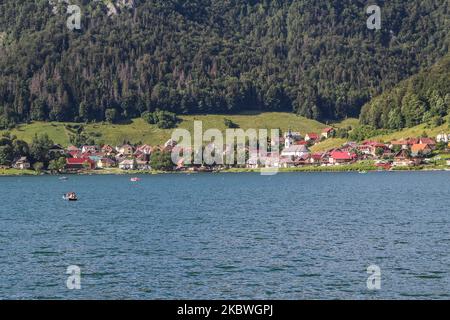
{"x": 424, "y": 97}
{"x": 315, "y": 58}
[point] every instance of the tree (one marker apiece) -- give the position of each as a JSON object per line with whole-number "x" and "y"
{"x": 413, "y": 109}
{"x": 163, "y": 119}
{"x": 40, "y": 147}
{"x": 230, "y": 124}
{"x": 111, "y": 115}
{"x": 57, "y": 165}
{"x": 20, "y": 148}
{"x": 38, "y": 166}
{"x": 395, "y": 119}
{"x": 168, "y": 64}
{"x": 161, "y": 160}
{"x": 379, "y": 152}
{"x": 6, "y": 155}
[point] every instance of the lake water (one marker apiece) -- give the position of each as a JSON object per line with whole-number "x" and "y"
{"x": 227, "y": 236}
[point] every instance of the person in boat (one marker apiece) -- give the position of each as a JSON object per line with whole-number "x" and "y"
{"x": 71, "y": 196}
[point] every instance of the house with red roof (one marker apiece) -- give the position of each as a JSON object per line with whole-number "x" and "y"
{"x": 89, "y": 149}
{"x": 428, "y": 141}
{"x": 420, "y": 149}
{"x": 311, "y": 137}
{"x": 145, "y": 149}
{"x": 75, "y": 154}
{"x": 108, "y": 150}
{"x": 77, "y": 164}
{"x": 412, "y": 141}
{"x": 403, "y": 159}
{"x": 339, "y": 157}
{"x": 371, "y": 147}
{"x": 316, "y": 158}
{"x": 404, "y": 144}
{"x": 328, "y": 132}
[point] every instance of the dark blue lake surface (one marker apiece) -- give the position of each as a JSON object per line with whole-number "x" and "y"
{"x": 230, "y": 236}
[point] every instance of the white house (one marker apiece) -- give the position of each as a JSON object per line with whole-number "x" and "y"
{"x": 311, "y": 136}
{"x": 22, "y": 164}
{"x": 127, "y": 165}
{"x": 443, "y": 137}
{"x": 89, "y": 149}
{"x": 125, "y": 150}
{"x": 295, "y": 151}
{"x": 327, "y": 133}
{"x": 142, "y": 165}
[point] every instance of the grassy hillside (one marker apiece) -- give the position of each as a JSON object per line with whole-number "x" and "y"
{"x": 139, "y": 131}
{"x": 413, "y": 132}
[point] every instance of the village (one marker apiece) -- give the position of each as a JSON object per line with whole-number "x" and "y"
{"x": 294, "y": 153}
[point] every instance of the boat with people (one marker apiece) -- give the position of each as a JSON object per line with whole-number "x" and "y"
{"x": 135, "y": 179}
{"x": 70, "y": 196}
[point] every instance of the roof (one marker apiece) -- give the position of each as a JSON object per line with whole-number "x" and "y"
{"x": 78, "y": 160}
{"x": 427, "y": 141}
{"x": 127, "y": 162}
{"x": 317, "y": 156}
{"x": 107, "y": 160}
{"x": 296, "y": 148}
{"x": 327, "y": 130}
{"x": 339, "y": 155}
{"x": 72, "y": 148}
{"x": 402, "y": 154}
{"x": 22, "y": 160}
{"x": 399, "y": 142}
{"x": 126, "y": 146}
{"x": 419, "y": 147}
{"x": 313, "y": 135}
{"x": 412, "y": 141}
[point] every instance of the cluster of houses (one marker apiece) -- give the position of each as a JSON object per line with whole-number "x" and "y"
{"x": 295, "y": 152}
{"x": 398, "y": 153}
{"x": 125, "y": 157}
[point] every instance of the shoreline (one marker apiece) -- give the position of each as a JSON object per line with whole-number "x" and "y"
{"x": 337, "y": 169}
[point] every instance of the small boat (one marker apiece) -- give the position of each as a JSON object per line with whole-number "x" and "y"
{"x": 71, "y": 196}
{"x": 363, "y": 172}
{"x": 63, "y": 178}
{"x": 135, "y": 179}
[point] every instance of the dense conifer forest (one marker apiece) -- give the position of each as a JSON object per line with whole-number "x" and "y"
{"x": 315, "y": 58}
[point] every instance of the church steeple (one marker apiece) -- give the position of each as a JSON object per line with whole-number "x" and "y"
{"x": 289, "y": 140}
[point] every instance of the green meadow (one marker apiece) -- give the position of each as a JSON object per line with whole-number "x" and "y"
{"x": 138, "y": 131}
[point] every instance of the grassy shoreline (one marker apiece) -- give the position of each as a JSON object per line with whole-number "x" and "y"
{"x": 309, "y": 169}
